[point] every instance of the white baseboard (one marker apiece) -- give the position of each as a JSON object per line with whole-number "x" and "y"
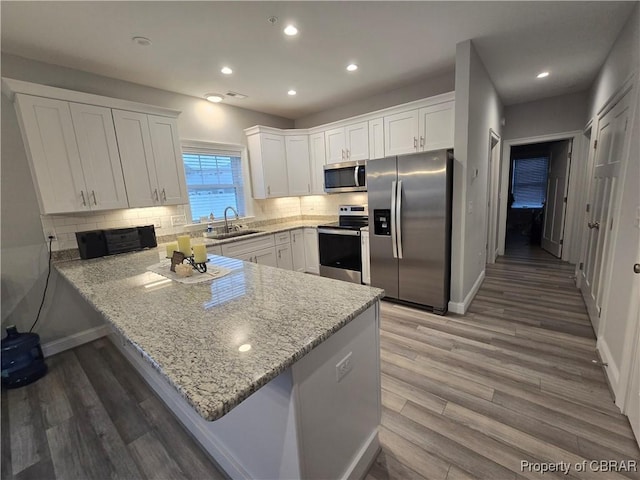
{"x": 612, "y": 370}
{"x": 72, "y": 341}
{"x": 462, "y": 307}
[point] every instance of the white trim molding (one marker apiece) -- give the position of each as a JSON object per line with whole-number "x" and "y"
{"x": 462, "y": 307}
{"x": 67, "y": 343}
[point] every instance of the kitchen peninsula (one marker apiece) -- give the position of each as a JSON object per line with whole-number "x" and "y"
{"x": 275, "y": 373}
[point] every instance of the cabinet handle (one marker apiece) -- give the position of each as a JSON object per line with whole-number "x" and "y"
{"x": 415, "y": 143}
{"x": 84, "y": 202}
{"x": 279, "y": 253}
{"x": 343, "y": 154}
{"x": 308, "y": 187}
{"x": 421, "y": 141}
{"x": 294, "y": 238}
{"x": 95, "y": 202}
{"x": 164, "y": 195}
{"x": 155, "y": 192}
{"x": 268, "y": 190}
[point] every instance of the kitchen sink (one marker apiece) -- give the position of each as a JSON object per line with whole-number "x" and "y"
{"x": 239, "y": 233}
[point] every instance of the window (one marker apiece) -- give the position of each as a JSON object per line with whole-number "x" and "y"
{"x": 214, "y": 181}
{"x": 529, "y": 182}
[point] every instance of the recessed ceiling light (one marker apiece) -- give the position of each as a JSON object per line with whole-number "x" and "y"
{"x": 244, "y": 347}
{"x": 290, "y": 30}
{"x": 292, "y": 92}
{"x": 142, "y": 41}
{"x": 352, "y": 67}
{"x": 226, "y": 70}
{"x": 214, "y": 97}
{"x": 543, "y": 74}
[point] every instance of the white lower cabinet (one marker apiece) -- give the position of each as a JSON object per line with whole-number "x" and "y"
{"x": 214, "y": 250}
{"x": 297, "y": 250}
{"x": 284, "y": 257}
{"x": 366, "y": 263}
{"x": 259, "y": 250}
{"x": 311, "y": 252}
{"x": 266, "y": 256}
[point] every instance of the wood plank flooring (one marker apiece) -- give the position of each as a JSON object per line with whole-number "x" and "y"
{"x": 93, "y": 417}
{"x": 472, "y": 396}
{"x": 464, "y": 397}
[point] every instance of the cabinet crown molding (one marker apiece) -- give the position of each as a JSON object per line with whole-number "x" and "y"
{"x": 11, "y": 87}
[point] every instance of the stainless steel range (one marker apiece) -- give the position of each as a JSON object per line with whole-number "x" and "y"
{"x": 339, "y": 244}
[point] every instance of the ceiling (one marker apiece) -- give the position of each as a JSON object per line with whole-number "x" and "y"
{"x": 394, "y": 44}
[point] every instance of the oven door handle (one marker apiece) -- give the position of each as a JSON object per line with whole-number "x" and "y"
{"x": 394, "y": 245}
{"x": 338, "y": 231}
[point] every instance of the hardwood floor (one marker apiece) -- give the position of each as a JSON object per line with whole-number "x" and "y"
{"x": 463, "y": 396}
{"x": 512, "y": 380}
{"x": 93, "y": 417}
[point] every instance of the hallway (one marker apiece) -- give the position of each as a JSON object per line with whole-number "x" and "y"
{"x": 472, "y": 396}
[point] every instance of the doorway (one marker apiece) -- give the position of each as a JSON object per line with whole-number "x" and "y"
{"x": 493, "y": 197}
{"x": 536, "y": 208}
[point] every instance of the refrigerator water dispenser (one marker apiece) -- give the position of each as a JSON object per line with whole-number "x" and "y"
{"x": 382, "y": 222}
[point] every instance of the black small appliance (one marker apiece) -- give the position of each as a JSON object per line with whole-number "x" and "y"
{"x": 22, "y": 358}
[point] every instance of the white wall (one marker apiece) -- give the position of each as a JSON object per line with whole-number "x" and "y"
{"x": 564, "y": 113}
{"x": 478, "y": 110}
{"x": 426, "y": 88}
{"x": 24, "y": 253}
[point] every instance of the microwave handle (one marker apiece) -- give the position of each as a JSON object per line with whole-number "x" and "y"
{"x": 355, "y": 175}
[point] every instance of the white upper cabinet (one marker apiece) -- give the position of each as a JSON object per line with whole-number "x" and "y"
{"x": 420, "y": 130}
{"x": 167, "y": 155}
{"x": 376, "y": 138}
{"x": 268, "y": 165}
{"x": 99, "y": 155}
{"x": 151, "y": 159}
{"x": 348, "y": 143}
{"x": 73, "y": 155}
{"x": 298, "y": 169}
{"x": 401, "y": 133}
{"x": 317, "y": 162}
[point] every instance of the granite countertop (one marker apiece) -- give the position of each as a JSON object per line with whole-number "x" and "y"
{"x": 192, "y": 333}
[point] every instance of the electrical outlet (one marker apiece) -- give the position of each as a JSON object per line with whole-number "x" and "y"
{"x": 178, "y": 220}
{"x": 343, "y": 367}
{"x": 50, "y": 233}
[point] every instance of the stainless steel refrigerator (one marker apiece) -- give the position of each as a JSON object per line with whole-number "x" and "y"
{"x": 410, "y": 227}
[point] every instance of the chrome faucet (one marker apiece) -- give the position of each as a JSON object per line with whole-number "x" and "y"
{"x": 226, "y": 222}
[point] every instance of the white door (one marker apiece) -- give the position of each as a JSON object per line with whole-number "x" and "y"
{"x": 284, "y": 258}
{"x": 138, "y": 165}
{"x": 436, "y": 127}
{"x": 266, "y": 256}
{"x": 401, "y": 133}
{"x": 376, "y": 138}
{"x": 274, "y": 165}
{"x": 357, "y": 141}
{"x": 335, "y": 145}
{"x": 317, "y": 154}
{"x": 493, "y": 200}
{"x": 297, "y": 250}
{"x": 297, "y": 152}
{"x": 311, "y": 252}
{"x": 96, "y": 137}
{"x": 556, "y": 204}
{"x": 167, "y": 153}
{"x": 632, "y": 409}
{"x": 55, "y": 160}
{"x": 611, "y": 135}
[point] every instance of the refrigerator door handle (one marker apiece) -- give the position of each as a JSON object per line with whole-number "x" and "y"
{"x": 394, "y": 245}
{"x": 398, "y": 221}
{"x": 355, "y": 175}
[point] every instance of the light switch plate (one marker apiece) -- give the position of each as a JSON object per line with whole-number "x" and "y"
{"x": 178, "y": 220}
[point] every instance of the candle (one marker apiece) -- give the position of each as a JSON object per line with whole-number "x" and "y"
{"x": 199, "y": 253}
{"x": 184, "y": 245}
{"x": 171, "y": 247}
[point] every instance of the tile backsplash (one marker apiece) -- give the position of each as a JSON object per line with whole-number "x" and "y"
{"x": 64, "y": 227}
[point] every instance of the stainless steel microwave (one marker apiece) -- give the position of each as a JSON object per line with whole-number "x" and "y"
{"x": 345, "y": 177}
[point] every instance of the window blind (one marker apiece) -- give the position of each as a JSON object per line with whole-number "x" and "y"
{"x": 529, "y": 183}
{"x": 214, "y": 181}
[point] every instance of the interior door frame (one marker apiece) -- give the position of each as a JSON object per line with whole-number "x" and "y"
{"x": 494, "y": 190}
{"x": 575, "y": 196}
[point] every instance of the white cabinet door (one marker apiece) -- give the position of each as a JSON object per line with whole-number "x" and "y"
{"x": 49, "y": 137}
{"x": 274, "y": 165}
{"x": 298, "y": 170}
{"x": 376, "y": 138}
{"x": 366, "y": 266}
{"x": 317, "y": 154}
{"x": 357, "y": 141}
{"x": 99, "y": 156}
{"x": 401, "y": 133}
{"x": 436, "y": 127}
{"x": 297, "y": 250}
{"x": 136, "y": 153}
{"x": 335, "y": 145}
{"x": 284, "y": 257}
{"x": 311, "y": 252}
{"x": 167, "y": 154}
{"x": 266, "y": 256}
